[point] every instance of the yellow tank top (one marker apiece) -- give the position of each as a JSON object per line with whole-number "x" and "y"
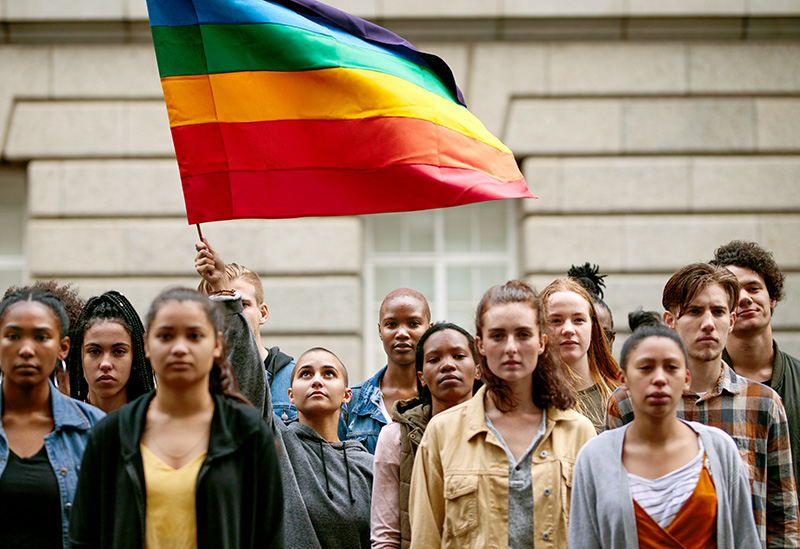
{"x": 171, "y": 519}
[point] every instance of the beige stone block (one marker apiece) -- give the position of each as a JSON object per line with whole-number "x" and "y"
{"x": 546, "y": 126}
{"x": 368, "y": 9}
{"x": 43, "y": 10}
{"x": 778, "y": 233}
{"x": 135, "y": 10}
{"x": 313, "y": 304}
{"x": 668, "y": 242}
{"x": 744, "y": 67}
{"x": 789, "y": 341}
{"x": 538, "y": 29}
{"x": 609, "y": 185}
{"x": 347, "y": 348}
{"x": 88, "y": 129}
{"x": 773, "y": 7}
{"x": 104, "y": 188}
{"x": 688, "y": 125}
{"x": 499, "y": 71}
{"x": 553, "y": 243}
{"x": 773, "y": 28}
{"x": 106, "y": 71}
{"x": 617, "y": 68}
{"x": 787, "y": 313}
{"x": 418, "y": 9}
{"x": 544, "y": 178}
{"x": 27, "y": 72}
{"x": 778, "y": 124}
{"x": 745, "y": 184}
{"x": 685, "y": 28}
{"x": 165, "y": 247}
{"x": 640, "y": 8}
{"x": 563, "y": 8}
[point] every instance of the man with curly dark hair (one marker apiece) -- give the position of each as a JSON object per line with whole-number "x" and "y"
{"x": 751, "y": 351}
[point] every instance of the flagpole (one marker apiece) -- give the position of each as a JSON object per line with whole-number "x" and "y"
{"x": 199, "y": 232}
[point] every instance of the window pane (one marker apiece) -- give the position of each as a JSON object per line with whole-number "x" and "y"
{"x": 387, "y": 233}
{"x": 10, "y": 277}
{"x": 492, "y": 217}
{"x": 12, "y": 211}
{"x": 457, "y": 229}
{"x": 386, "y": 280}
{"x": 463, "y": 315}
{"x": 420, "y": 231}
{"x": 490, "y": 276}
{"x": 421, "y": 279}
{"x": 459, "y": 283}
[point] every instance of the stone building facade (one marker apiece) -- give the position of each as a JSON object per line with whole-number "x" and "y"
{"x": 651, "y": 132}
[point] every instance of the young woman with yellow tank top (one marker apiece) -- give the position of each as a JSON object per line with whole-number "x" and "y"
{"x": 187, "y": 465}
{"x": 659, "y": 482}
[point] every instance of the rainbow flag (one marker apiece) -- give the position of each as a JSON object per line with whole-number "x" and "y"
{"x": 294, "y": 108}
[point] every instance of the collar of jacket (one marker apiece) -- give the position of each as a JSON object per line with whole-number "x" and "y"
{"x": 228, "y": 431}
{"x": 66, "y": 413}
{"x": 368, "y": 396}
{"x": 476, "y": 423}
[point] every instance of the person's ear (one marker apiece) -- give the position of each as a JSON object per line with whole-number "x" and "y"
{"x": 688, "y": 379}
{"x": 669, "y": 320}
{"x": 218, "y": 345}
{"x": 348, "y": 394}
{"x": 623, "y": 381}
{"x": 421, "y": 379}
{"x": 263, "y": 314}
{"x": 479, "y": 345}
{"x": 63, "y": 349}
{"x": 146, "y": 346}
{"x": 291, "y": 395}
{"x": 543, "y": 346}
{"x": 733, "y": 321}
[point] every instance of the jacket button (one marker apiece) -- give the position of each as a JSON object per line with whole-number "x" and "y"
{"x": 63, "y": 472}
{"x": 547, "y": 491}
{"x": 546, "y": 536}
{"x": 543, "y": 454}
{"x": 284, "y": 417}
{"x": 68, "y": 505}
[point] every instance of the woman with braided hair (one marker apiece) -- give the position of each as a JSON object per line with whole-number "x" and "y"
{"x": 106, "y": 362}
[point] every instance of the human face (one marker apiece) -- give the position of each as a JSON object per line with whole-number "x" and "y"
{"x": 107, "y": 357}
{"x": 181, "y": 344}
{"x": 510, "y": 341}
{"x": 754, "y": 308}
{"x": 604, "y": 318}
{"x": 319, "y": 387}
{"x": 402, "y": 323}
{"x": 448, "y": 369}
{"x": 655, "y": 376}
{"x": 255, "y": 313}
{"x": 569, "y": 316}
{"x": 704, "y": 324}
{"x": 30, "y": 344}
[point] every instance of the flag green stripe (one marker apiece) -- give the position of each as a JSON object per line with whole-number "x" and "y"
{"x": 215, "y": 49}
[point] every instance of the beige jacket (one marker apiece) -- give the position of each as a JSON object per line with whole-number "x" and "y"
{"x": 459, "y": 487}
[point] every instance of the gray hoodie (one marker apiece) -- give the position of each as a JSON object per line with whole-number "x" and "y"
{"x": 327, "y": 487}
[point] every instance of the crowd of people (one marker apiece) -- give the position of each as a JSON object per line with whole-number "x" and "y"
{"x": 522, "y": 432}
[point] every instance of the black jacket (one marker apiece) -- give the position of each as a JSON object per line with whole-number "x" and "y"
{"x": 239, "y": 501}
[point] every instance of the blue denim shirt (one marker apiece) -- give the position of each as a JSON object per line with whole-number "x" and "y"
{"x": 64, "y": 446}
{"x": 364, "y": 417}
{"x": 279, "y": 387}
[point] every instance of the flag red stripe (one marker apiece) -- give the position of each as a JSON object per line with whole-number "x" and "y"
{"x": 324, "y": 192}
{"x": 365, "y": 144}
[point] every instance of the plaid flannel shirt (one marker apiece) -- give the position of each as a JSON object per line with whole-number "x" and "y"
{"x": 754, "y": 416}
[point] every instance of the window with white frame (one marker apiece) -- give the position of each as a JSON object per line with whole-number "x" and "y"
{"x": 451, "y": 255}
{"x": 13, "y": 208}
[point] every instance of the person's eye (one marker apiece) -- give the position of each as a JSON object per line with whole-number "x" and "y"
{"x": 93, "y": 351}
{"x": 555, "y": 321}
{"x": 164, "y": 337}
{"x": 580, "y": 320}
{"x": 390, "y": 324}
{"x": 460, "y": 356}
{"x": 305, "y": 374}
{"x": 42, "y": 337}
{"x": 433, "y": 360}
{"x": 120, "y": 352}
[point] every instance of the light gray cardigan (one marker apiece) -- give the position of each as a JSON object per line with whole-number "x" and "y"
{"x": 601, "y": 512}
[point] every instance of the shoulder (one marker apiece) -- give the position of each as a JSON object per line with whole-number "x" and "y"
{"x": 714, "y": 436}
{"x": 573, "y": 422}
{"x": 605, "y": 448}
{"x": 240, "y": 419}
{"x": 92, "y": 414}
{"x": 372, "y": 381}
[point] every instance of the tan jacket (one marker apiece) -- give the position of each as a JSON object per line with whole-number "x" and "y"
{"x": 459, "y": 487}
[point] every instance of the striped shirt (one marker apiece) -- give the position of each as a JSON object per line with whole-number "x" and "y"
{"x": 663, "y": 497}
{"x": 754, "y": 416}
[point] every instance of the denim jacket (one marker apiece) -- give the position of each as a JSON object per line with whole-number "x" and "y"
{"x": 64, "y": 445}
{"x": 364, "y": 417}
{"x": 279, "y": 385}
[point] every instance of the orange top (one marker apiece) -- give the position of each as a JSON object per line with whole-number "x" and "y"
{"x": 694, "y": 527}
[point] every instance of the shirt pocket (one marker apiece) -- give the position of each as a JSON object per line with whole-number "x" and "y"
{"x": 460, "y": 507}
{"x": 566, "y": 485}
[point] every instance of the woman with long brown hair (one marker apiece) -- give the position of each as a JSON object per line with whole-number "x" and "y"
{"x": 496, "y": 470}
{"x": 582, "y": 346}
{"x": 187, "y": 465}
